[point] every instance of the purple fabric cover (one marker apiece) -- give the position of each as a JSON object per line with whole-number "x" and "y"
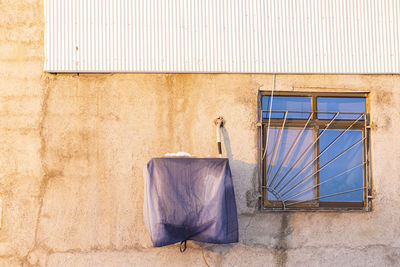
{"x": 190, "y": 199}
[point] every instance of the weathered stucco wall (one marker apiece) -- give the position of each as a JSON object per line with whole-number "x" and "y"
{"x": 73, "y": 148}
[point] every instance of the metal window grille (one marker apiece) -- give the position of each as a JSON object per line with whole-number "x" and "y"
{"x": 281, "y": 187}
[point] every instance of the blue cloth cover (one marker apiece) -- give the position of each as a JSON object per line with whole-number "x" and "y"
{"x": 190, "y": 199}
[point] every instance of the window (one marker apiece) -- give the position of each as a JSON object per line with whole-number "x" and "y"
{"x": 314, "y": 151}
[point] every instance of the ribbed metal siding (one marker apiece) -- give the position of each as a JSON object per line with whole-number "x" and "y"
{"x": 251, "y": 36}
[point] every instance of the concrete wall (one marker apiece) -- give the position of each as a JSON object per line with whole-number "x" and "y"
{"x": 72, "y": 149}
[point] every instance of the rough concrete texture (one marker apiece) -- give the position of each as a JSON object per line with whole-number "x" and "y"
{"x": 73, "y": 148}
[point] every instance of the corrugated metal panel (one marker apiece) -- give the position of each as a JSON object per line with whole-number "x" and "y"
{"x": 251, "y": 36}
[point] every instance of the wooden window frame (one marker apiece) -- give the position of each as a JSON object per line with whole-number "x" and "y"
{"x": 316, "y": 124}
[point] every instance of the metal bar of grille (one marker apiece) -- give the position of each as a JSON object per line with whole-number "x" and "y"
{"x": 320, "y": 154}
{"x": 291, "y": 149}
{"x": 276, "y": 194}
{"x": 305, "y": 150}
{"x": 276, "y": 148}
{"x": 330, "y": 195}
{"x": 269, "y": 118}
{"x": 329, "y": 162}
{"x": 329, "y": 179}
{"x": 268, "y": 162}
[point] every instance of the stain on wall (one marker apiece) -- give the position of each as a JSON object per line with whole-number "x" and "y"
{"x": 281, "y": 245}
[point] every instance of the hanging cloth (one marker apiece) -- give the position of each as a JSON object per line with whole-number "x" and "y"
{"x": 189, "y": 199}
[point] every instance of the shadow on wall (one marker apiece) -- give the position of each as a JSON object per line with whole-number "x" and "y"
{"x": 244, "y": 177}
{"x": 270, "y": 231}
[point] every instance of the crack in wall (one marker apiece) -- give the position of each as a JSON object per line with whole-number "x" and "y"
{"x": 45, "y": 178}
{"x": 45, "y": 172}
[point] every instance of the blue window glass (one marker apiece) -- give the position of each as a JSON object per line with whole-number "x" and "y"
{"x": 290, "y": 164}
{"x": 340, "y": 104}
{"x": 349, "y": 163}
{"x": 281, "y": 104}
